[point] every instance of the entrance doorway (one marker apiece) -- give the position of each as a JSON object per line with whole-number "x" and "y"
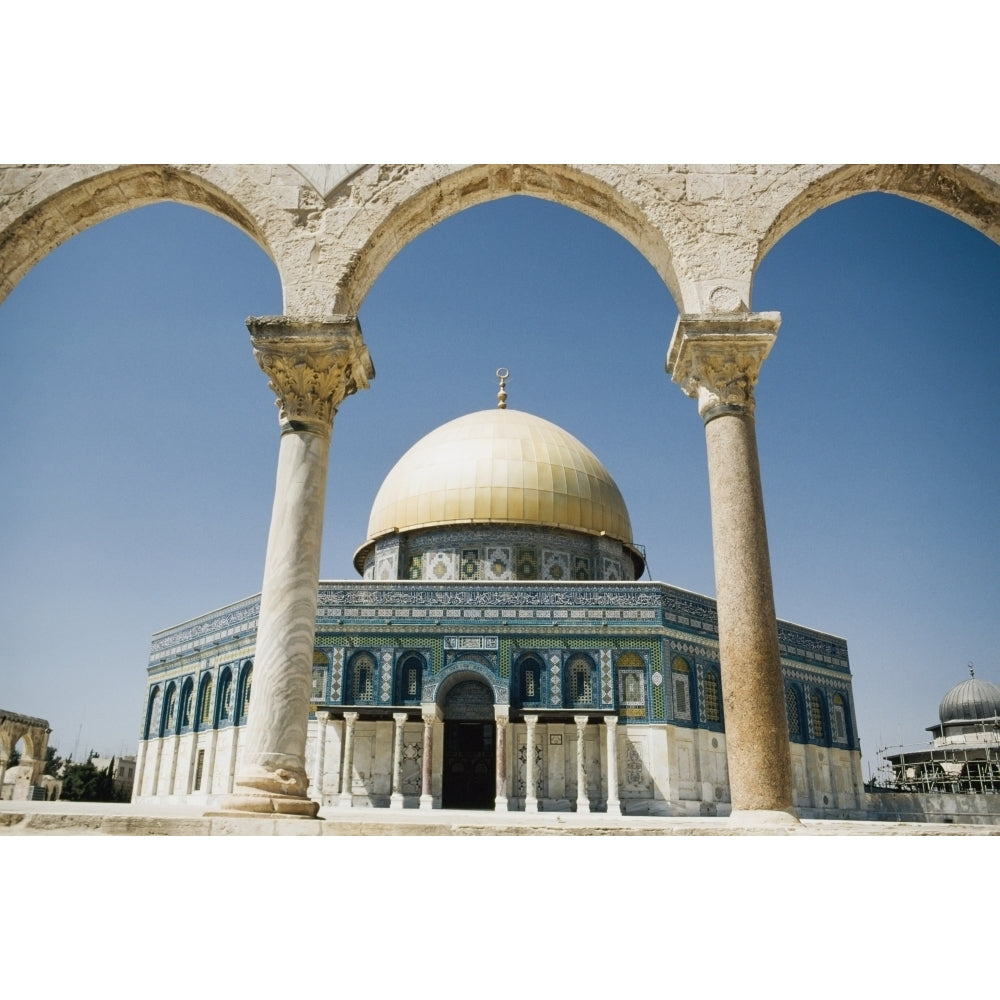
{"x": 468, "y": 776}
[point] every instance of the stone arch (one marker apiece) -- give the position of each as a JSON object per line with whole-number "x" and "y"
{"x": 970, "y": 194}
{"x": 418, "y": 197}
{"x": 47, "y": 206}
{"x": 436, "y": 689}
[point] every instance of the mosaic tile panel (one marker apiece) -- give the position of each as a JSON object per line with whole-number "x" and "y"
{"x": 555, "y": 679}
{"x": 607, "y": 682}
{"x": 386, "y": 692}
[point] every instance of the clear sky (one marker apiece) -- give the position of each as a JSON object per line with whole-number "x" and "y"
{"x": 141, "y": 439}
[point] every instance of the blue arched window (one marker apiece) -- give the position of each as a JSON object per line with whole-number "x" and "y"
{"x": 680, "y": 672}
{"x": 529, "y": 679}
{"x": 579, "y": 680}
{"x": 224, "y": 699}
{"x": 840, "y": 721}
{"x": 320, "y": 670}
{"x": 409, "y": 679}
{"x": 360, "y": 679}
{"x": 793, "y": 713}
{"x": 187, "y": 705}
{"x": 152, "y": 727}
{"x": 169, "y": 724}
{"x": 818, "y": 729}
{"x": 243, "y": 694}
{"x": 711, "y": 708}
{"x": 204, "y": 714}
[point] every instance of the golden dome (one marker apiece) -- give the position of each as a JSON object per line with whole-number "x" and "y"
{"x": 499, "y": 467}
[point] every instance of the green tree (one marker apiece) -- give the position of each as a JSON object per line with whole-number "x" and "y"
{"x": 85, "y": 783}
{"x": 52, "y": 762}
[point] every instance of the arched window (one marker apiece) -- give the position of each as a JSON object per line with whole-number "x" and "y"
{"x": 409, "y": 679}
{"x": 793, "y": 713}
{"x": 681, "y": 671}
{"x": 529, "y": 675}
{"x": 225, "y": 700}
{"x": 153, "y": 713}
{"x": 205, "y": 702}
{"x": 361, "y": 689}
{"x": 320, "y": 668}
{"x": 170, "y": 711}
{"x": 838, "y": 719}
{"x": 712, "y": 708}
{"x": 187, "y": 704}
{"x": 817, "y": 724}
{"x": 243, "y": 695}
{"x": 580, "y": 680}
{"x": 631, "y": 684}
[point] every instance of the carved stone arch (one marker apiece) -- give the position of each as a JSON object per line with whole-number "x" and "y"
{"x": 436, "y": 688}
{"x": 42, "y": 207}
{"x": 970, "y": 194}
{"x": 413, "y": 198}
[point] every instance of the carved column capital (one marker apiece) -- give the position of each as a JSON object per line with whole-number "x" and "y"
{"x": 312, "y": 366}
{"x": 717, "y": 359}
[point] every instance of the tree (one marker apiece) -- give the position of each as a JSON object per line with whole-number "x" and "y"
{"x": 52, "y": 762}
{"x": 84, "y": 783}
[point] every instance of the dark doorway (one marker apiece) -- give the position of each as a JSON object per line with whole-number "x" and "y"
{"x": 469, "y": 774}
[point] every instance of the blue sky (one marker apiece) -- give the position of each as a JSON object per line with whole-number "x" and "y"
{"x": 138, "y": 464}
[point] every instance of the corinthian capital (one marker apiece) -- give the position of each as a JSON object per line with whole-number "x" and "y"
{"x": 312, "y": 366}
{"x": 717, "y": 359}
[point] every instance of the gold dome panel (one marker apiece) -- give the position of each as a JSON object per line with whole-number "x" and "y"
{"x": 500, "y": 467}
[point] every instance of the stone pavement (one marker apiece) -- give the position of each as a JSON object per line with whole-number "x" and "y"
{"x": 100, "y": 819}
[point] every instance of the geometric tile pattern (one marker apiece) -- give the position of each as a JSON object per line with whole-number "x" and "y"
{"x": 386, "y": 693}
{"x": 607, "y": 688}
{"x": 555, "y": 680}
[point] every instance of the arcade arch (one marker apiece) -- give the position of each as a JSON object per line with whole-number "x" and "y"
{"x": 703, "y": 228}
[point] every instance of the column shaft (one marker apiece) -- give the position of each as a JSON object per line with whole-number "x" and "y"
{"x": 530, "y": 789}
{"x": 312, "y": 367}
{"x": 500, "y": 803}
{"x": 347, "y": 774}
{"x": 582, "y": 798}
{"x": 717, "y": 359}
{"x": 611, "y": 727}
{"x": 426, "y": 794}
{"x": 396, "y": 794}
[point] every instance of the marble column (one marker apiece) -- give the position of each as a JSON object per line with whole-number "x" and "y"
{"x": 582, "y": 798}
{"x": 530, "y": 789}
{"x": 426, "y": 791}
{"x": 611, "y": 746}
{"x": 396, "y": 797}
{"x": 717, "y": 360}
{"x": 502, "y": 718}
{"x": 322, "y": 718}
{"x": 140, "y": 767}
{"x": 312, "y": 367}
{"x": 347, "y": 769}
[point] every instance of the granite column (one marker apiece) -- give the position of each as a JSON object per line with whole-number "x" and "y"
{"x": 717, "y": 359}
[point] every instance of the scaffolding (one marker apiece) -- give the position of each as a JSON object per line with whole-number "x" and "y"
{"x": 966, "y": 765}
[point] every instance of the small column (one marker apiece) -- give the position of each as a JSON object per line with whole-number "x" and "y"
{"x": 717, "y": 360}
{"x": 312, "y": 366}
{"x": 502, "y": 715}
{"x": 611, "y": 743}
{"x": 530, "y": 790}
{"x": 396, "y": 797}
{"x": 426, "y": 793}
{"x": 582, "y": 798}
{"x": 3, "y": 768}
{"x": 322, "y": 718}
{"x": 347, "y": 771}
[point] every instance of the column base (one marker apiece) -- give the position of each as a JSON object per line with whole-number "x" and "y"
{"x": 770, "y": 818}
{"x": 531, "y": 805}
{"x": 501, "y": 805}
{"x": 426, "y": 801}
{"x": 614, "y": 809}
{"x": 582, "y": 807}
{"x": 396, "y": 800}
{"x": 266, "y": 805}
